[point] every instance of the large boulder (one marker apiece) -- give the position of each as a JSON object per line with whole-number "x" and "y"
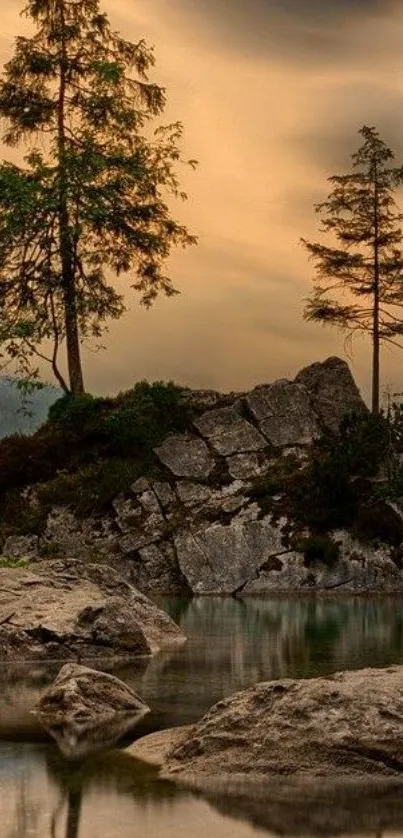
{"x": 73, "y": 610}
{"x": 348, "y": 726}
{"x": 85, "y": 710}
{"x": 283, "y": 412}
{"x": 332, "y": 389}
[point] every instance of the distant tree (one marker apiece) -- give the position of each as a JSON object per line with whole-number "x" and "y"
{"x": 365, "y": 265}
{"x": 91, "y": 197}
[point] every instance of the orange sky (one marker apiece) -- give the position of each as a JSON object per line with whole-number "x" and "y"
{"x": 271, "y": 94}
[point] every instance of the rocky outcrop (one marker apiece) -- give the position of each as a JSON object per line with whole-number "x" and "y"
{"x": 71, "y": 610}
{"x": 85, "y": 710}
{"x": 345, "y": 726}
{"x": 204, "y": 524}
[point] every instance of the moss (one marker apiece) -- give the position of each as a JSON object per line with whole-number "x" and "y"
{"x": 13, "y": 561}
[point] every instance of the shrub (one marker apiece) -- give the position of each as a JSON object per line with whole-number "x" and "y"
{"x": 143, "y": 416}
{"x": 90, "y": 489}
{"x": 319, "y": 548}
{"x": 75, "y": 411}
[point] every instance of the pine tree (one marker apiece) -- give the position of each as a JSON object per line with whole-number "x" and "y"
{"x": 365, "y": 266}
{"x": 91, "y": 197}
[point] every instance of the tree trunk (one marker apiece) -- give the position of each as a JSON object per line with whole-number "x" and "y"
{"x": 66, "y": 246}
{"x": 375, "y": 317}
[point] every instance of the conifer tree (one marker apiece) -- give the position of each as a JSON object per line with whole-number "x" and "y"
{"x": 359, "y": 280}
{"x": 91, "y": 197}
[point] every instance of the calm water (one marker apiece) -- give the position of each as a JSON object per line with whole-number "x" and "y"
{"x": 231, "y": 644}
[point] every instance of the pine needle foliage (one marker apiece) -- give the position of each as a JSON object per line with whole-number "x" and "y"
{"x": 359, "y": 279}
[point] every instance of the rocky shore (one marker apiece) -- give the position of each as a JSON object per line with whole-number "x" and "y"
{"x": 70, "y": 610}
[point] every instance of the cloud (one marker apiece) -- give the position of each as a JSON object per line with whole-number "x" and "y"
{"x": 308, "y": 32}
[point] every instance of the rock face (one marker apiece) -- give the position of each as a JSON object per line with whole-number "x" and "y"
{"x": 346, "y": 726}
{"x": 74, "y": 610}
{"x": 222, "y": 558}
{"x": 85, "y": 710}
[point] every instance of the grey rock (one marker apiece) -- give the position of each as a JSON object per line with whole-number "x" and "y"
{"x": 360, "y": 568}
{"x": 128, "y": 513}
{"x": 222, "y": 558}
{"x": 332, "y": 389}
{"x": 244, "y": 466}
{"x": 193, "y": 494}
{"x": 155, "y": 570}
{"x": 149, "y": 502}
{"x": 208, "y": 399}
{"x": 140, "y": 485}
{"x": 284, "y": 413}
{"x": 344, "y": 726}
{"x": 228, "y": 433}
{"x": 186, "y": 456}
{"x": 86, "y": 710}
{"x": 282, "y": 573}
{"x": 21, "y": 546}
{"x": 165, "y": 494}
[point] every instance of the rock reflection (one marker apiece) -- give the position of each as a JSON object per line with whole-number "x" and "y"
{"x": 374, "y": 809}
{"x": 78, "y": 739}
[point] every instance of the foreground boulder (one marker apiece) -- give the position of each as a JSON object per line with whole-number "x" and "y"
{"x": 348, "y": 726}
{"x": 85, "y": 710}
{"x": 70, "y": 610}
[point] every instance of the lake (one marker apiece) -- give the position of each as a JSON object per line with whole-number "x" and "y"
{"x": 231, "y": 644}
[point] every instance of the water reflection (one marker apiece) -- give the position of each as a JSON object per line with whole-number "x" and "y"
{"x": 232, "y": 643}
{"x": 110, "y": 795}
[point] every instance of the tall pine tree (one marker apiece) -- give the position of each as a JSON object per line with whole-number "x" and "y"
{"x": 365, "y": 265}
{"x": 92, "y": 196}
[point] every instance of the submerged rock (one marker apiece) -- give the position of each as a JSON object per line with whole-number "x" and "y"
{"x": 344, "y": 727}
{"x": 86, "y": 710}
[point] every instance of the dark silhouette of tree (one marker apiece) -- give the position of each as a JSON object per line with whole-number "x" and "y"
{"x": 365, "y": 264}
{"x": 92, "y": 193}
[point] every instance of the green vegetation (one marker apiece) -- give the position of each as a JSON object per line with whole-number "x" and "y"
{"x": 90, "y": 450}
{"x": 364, "y": 264}
{"x": 11, "y": 561}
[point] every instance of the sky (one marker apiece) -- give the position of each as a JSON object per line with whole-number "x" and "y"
{"x": 272, "y": 94}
